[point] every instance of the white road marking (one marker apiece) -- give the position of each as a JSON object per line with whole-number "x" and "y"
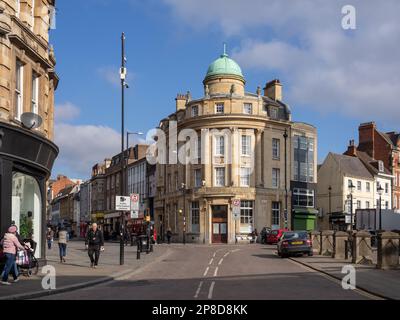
{"x": 210, "y": 292}
{"x": 216, "y": 271}
{"x": 235, "y": 250}
{"x": 214, "y": 254}
{"x": 220, "y": 261}
{"x": 205, "y": 272}
{"x": 211, "y": 261}
{"x": 226, "y": 254}
{"x": 198, "y": 289}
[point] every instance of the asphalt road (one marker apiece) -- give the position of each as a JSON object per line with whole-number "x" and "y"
{"x": 220, "y": 272}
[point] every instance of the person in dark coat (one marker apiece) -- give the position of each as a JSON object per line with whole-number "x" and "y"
{"x": 169, "y": 235}
{"x": 94, "y": 244}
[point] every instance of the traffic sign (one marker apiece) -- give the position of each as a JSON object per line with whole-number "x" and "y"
{"x": 122, "y": 203}
{"x": 134, "y": 206}
{"x": 236, "y": 202}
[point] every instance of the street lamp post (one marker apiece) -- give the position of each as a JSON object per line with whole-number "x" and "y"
{"x": 183, "y": 188}
{"x": 351, "y": 187}
{"x": 380, "y": 191}
{"x": 285, "y": 136}
{"x": 330, "y": 203}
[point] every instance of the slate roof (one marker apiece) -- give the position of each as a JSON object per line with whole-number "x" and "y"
{"x": 351, "y": 166}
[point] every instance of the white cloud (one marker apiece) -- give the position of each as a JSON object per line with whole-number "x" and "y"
{"x": 82, "y": 146}
{"x": 66, "y": 111}
{"x": 354, "y": 72}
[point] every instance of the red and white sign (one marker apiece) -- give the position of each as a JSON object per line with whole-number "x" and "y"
{"x": 134, "y": 206}
{"x": 236, "y": 202}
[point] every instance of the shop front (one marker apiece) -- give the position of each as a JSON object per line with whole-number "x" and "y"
{"x": 304, "y": 218}
{"x": 26, "y": 160}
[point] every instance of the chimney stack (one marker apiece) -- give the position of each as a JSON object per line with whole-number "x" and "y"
{"x": 180, "y": 101}
{"x": 273, "y": 90}
{"x": 366, "y": 138}
{"x": 351, "y": 149}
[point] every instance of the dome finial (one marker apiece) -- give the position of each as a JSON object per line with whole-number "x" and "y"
{"x": 224, "y": 54}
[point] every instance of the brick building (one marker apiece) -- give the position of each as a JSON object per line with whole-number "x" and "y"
{"x": 386, "y": 148}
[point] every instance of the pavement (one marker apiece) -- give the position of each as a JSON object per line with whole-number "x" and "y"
{"x": 75, "y": 273}
{"x": 220, "y": 272}
{"x": 204, "y": 272}
{"x": 383, "y": 283}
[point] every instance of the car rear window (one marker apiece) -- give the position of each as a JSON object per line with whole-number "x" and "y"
{"x": 274, "y": 232}
{"x": 295, "y": 235}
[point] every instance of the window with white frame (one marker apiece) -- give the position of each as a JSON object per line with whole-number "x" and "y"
{"x": 303, "y": 197}
{"x": 19, "y": 90}
{"x": 35, "y": 93}
{"x": 219, "y": 145}
{"x": 273, "y": 113}
{"x": 275, "y": 148}
{"x": 386, "y": 188}
{"x": 381, "y": 167}
{"x": 349, "y": 183}
{"x": 387, "y": 205}
{"x": 245, "y": 176}
{"x": 359, "y": 185}
{"x": 219, "y": 108}
{"x": 367, "y": 204}
{"x": 276, "y": 213}
{"x": 368, "y": 187}
{"x": 195, "y": 216}
{"x": 195, "y": 111}
{"x": 220, "y": 176}
{"x": 246, "y": 212}
{"x": 246, "y": 145}
{"x": 247, "y": 108}
{"x": 358, "y": 204}
{"x": 197, "y": 178}
{"x": 275, "y": 177}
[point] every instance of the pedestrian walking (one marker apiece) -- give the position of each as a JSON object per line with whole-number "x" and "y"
{"x": 169, "y": 235}
{"x": 62, "y": 243}
{"x": 94, "y": 244}
{"x": 10, "y": 245}
{"x": 49, "y": 237}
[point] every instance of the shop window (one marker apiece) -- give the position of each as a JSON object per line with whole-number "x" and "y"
{"x": 27, "y": 208}
{"x": 195, "y": 216}
{"x": 246, "y": 216}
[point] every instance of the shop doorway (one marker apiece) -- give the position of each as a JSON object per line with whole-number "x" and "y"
{"x": 219, "y": 224}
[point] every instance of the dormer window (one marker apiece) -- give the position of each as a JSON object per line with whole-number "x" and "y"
{"x": 380, "y": 165}
{"x": 195, "y": 111}
{"x": 273, "y": 112}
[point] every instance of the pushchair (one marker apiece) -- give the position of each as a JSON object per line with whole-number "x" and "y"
{"x": 26, "y": 261}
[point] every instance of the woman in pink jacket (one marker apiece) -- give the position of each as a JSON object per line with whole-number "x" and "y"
{"x": 10, "y": 245}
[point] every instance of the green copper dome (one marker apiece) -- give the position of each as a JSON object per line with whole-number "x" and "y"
{"x": 224, "y": 66}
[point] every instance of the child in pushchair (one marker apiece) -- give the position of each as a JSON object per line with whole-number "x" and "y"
{"x": 26, "y": 261}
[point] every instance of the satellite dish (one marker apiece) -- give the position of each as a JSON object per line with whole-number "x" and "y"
{"x": 31, "y": 120}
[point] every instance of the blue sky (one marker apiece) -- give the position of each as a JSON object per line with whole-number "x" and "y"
{"x": 333, "y": 78}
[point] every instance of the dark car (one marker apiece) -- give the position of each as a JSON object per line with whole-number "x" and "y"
{"x": 293, "y": 243}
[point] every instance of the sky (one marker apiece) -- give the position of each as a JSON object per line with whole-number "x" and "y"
{"x": 333, "y": 78}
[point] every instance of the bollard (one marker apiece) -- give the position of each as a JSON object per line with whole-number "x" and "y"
{"x": 340, "y": 245}
{"x": 138, "y": 251}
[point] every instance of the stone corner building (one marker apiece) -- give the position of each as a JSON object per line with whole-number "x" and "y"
{"x": 27, "y": 84}
{"x": 241, "y": 142}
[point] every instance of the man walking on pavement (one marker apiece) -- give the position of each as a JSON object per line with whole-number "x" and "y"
{"x": 94, "y": 244}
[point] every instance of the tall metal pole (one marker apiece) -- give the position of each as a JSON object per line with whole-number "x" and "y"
{"x": 351, "y": 211}
{"x": 122, "y": 73}
{"x": 380, "y": 212}
{"x": 285, "y": 135}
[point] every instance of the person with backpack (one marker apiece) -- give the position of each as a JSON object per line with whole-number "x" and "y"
{"x": 10, "y": 245}
{"x": 62, "y": 243}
